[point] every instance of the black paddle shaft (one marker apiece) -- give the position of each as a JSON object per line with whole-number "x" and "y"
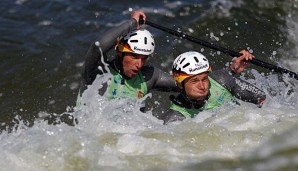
{"x": 221, "y": 49}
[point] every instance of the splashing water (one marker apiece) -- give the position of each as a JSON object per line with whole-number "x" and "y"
{"x": 115, "y": 135}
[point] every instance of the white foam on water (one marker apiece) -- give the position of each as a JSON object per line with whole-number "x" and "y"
{"x": 291, "y": 56}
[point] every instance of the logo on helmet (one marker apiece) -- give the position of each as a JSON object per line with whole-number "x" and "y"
{"x": 198, "y": 68}
{"x": 143, "y": 50}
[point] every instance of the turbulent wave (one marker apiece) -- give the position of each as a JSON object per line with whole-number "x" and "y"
{"x": 115, "y": 135}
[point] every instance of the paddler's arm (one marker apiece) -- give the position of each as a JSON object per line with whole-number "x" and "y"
{"x": 96, "y": 54}
{"x": 239, "y": 88}
{"x": 171, "y": 116}
{"x": 159, "y": 80}
{"x": 242, "y": 89}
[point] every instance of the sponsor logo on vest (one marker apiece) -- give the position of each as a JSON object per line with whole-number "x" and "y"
{"x": 198, "y": 68}
{"x": 143, "y": 50}
{"x": 140, "y": 94}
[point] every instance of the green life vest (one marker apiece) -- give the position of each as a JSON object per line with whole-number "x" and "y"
{"x": 135, "y": 87}
{"x": 218, "y": 96}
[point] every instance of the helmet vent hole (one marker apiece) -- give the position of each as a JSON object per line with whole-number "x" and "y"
{"x": 196, "y": 59}
{"x": 134, "y": 41}
{"x": 134, "y": 34}
{"x": 145, "y": 41}
{"x": 182, "y": 60}
{"x": 184, "y": 66}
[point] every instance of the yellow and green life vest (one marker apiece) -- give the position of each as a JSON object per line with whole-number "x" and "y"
{"x": 118, "y": 87}
{"x": 218, "y": 96}
{"x": 135, "y": 87}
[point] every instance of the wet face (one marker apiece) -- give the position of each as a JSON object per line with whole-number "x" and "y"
{"x": 196, "y": 87}
{"x": 132, "y": 63}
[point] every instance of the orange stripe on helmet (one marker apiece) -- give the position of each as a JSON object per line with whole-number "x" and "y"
{"x": 179, "y": 76}
{"x": 122, "y": 46}
{"x": 125, "y": 48}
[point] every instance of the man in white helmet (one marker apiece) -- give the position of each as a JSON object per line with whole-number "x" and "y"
{"x": 202, "y": 89}
{"x": 131, "y": 78}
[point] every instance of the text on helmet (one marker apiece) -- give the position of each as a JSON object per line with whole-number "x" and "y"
{"x": 143, "y": 50}
{"x": 198, "y": 68}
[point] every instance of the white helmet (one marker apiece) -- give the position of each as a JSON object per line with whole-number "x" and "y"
{"x": 138, "y": 41}
{"x": 188, "y": 64}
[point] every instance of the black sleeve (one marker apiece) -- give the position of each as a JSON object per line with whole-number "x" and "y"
{"x": 157, "y": 79}
{"x": 238, "y": 87}
{"x": 96, "y": 55}
{"x": 171, "y": 116}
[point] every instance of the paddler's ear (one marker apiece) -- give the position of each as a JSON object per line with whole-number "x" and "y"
{"x": 179, "y": 85}
{"x": 119, "y": 54}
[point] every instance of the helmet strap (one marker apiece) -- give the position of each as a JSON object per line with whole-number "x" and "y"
{"x": 118, "y": 64}
{"x": 180, "y": 85}
{"x": 183, "y": 101}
